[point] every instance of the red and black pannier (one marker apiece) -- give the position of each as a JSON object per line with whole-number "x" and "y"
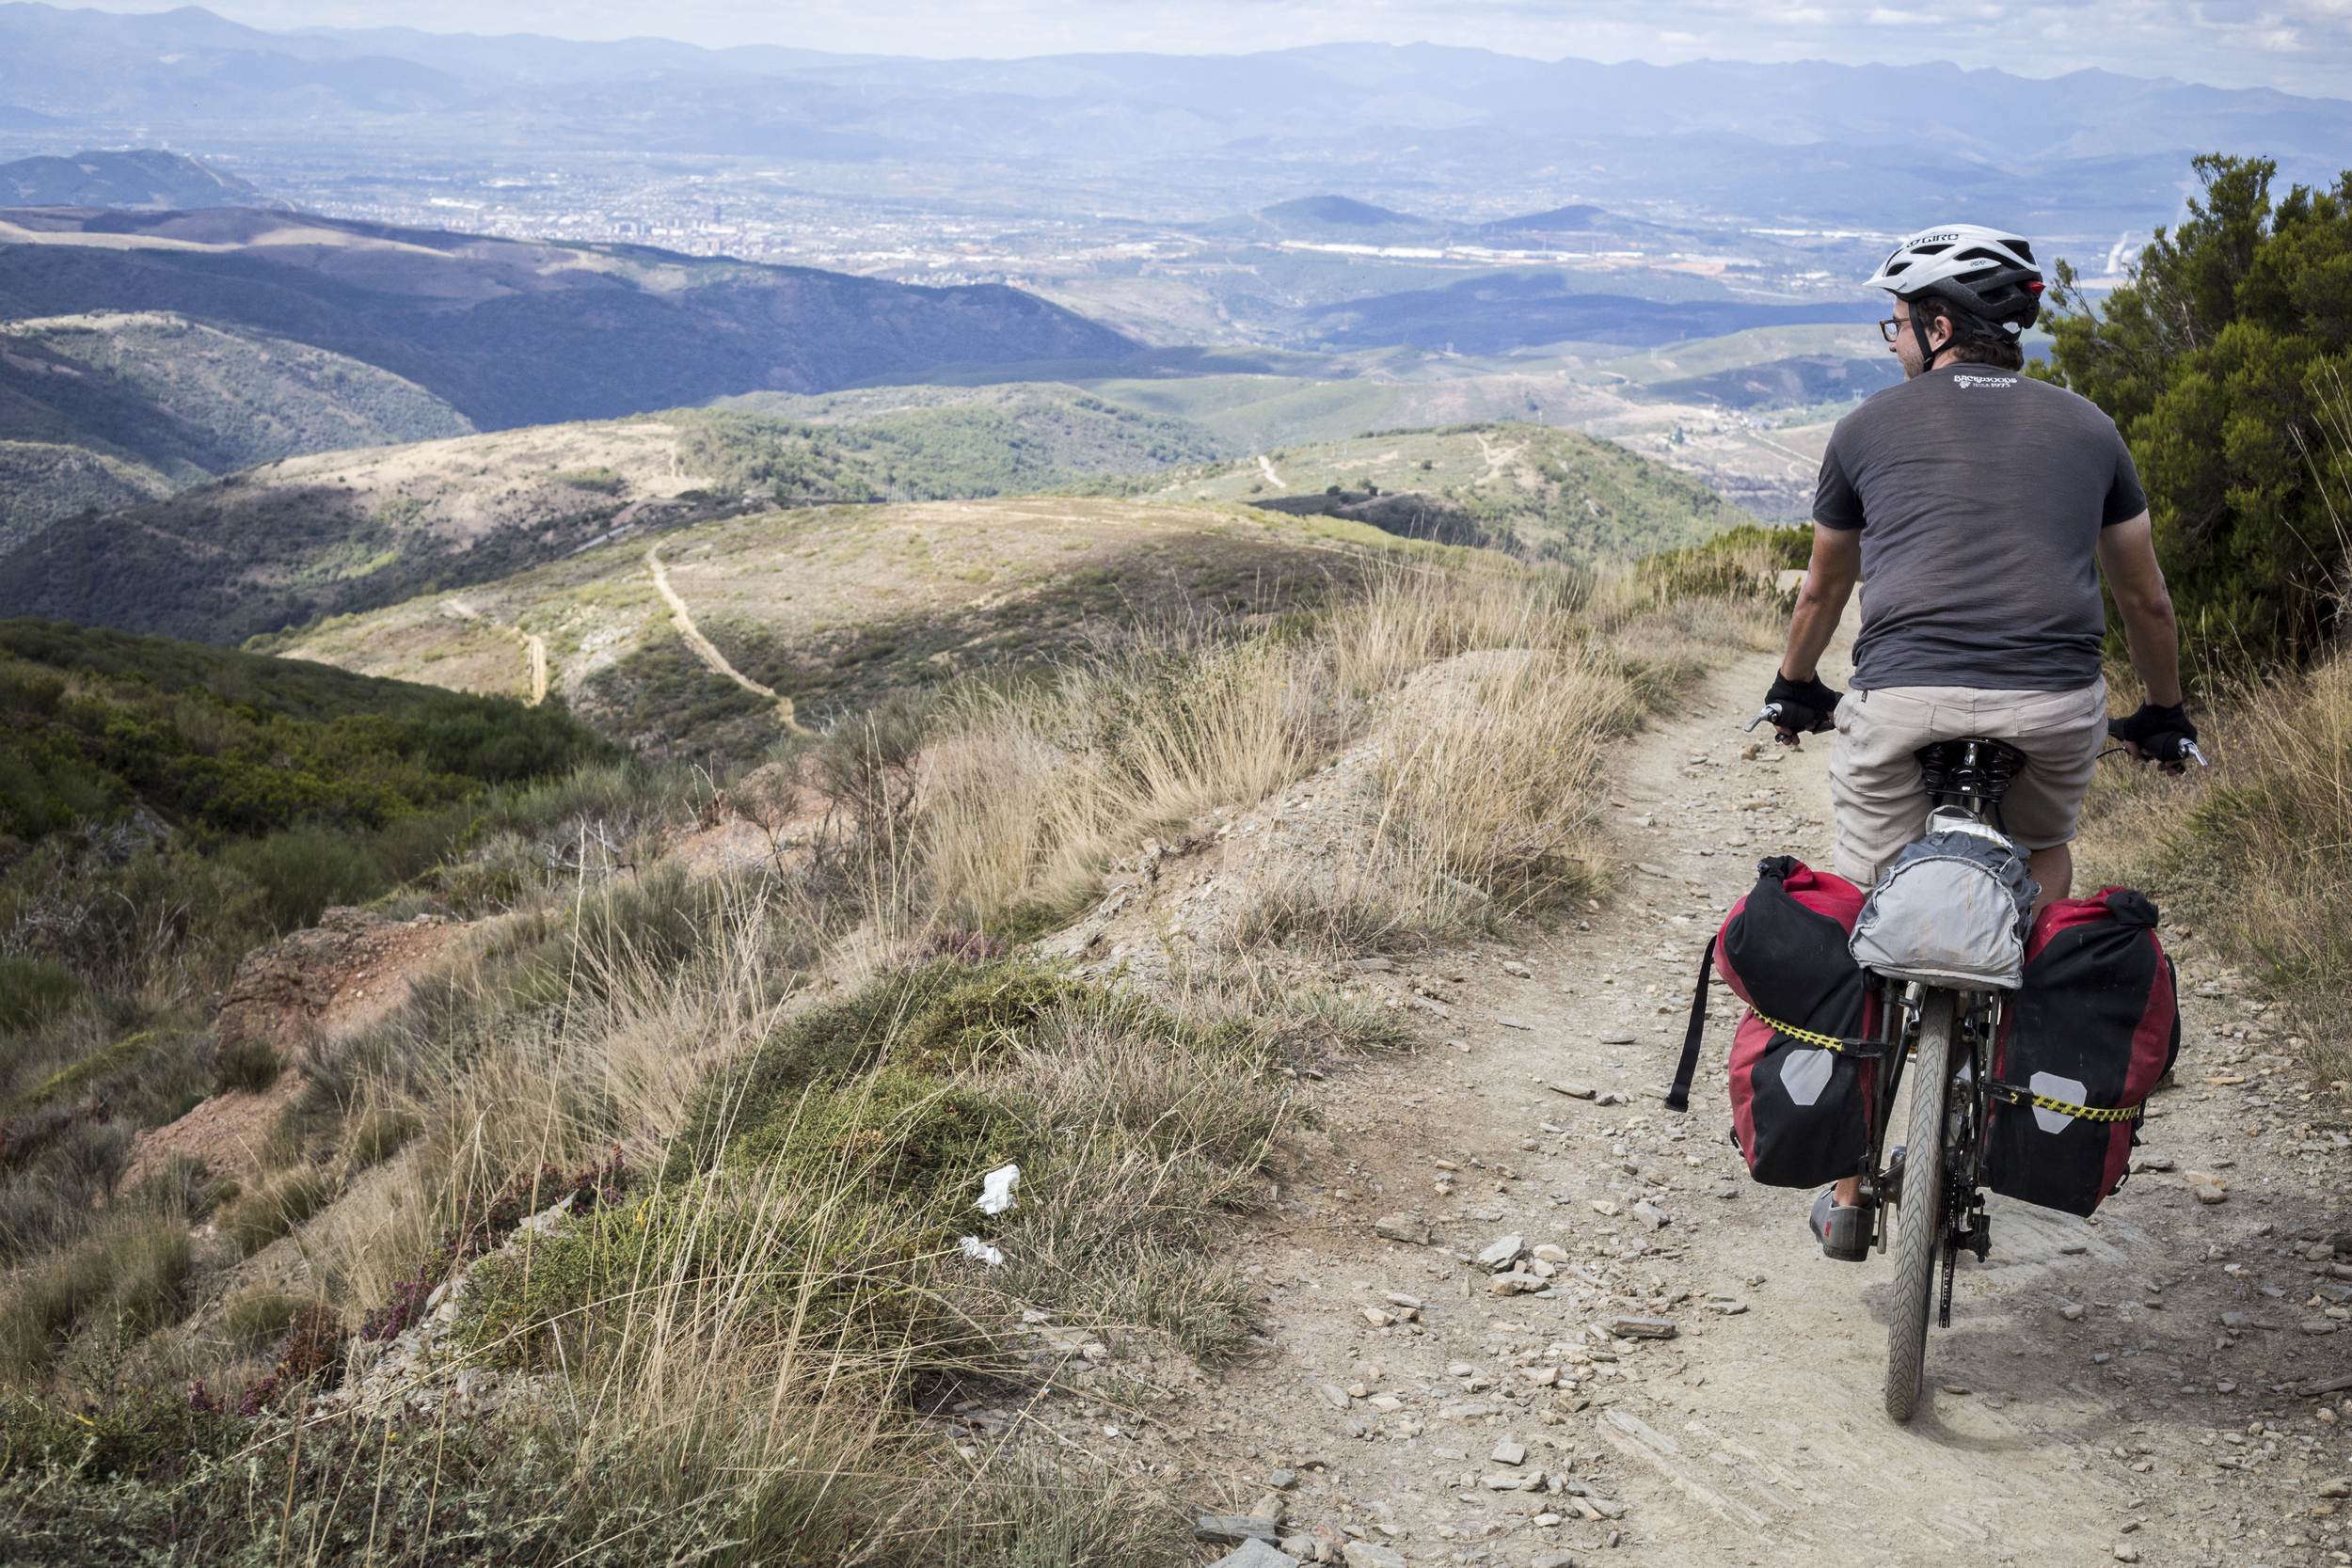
{"x": 1800, "y": 1103}
{"x": 2082, "y": 1044}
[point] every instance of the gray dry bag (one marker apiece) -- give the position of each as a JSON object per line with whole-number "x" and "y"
{"x": 1954, "y": 909}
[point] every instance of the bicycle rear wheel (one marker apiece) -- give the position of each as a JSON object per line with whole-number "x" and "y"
{"x": 1920, "y": 1234}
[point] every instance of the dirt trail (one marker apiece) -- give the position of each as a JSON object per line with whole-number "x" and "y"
{"x": 537, "y": 647}
{"x": 1265, "y": 464}
{"x": 1756, "y": 1434}
{"x": 712, "y": 658}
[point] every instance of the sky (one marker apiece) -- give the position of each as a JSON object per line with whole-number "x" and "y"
{"x": 2296, "y": 46}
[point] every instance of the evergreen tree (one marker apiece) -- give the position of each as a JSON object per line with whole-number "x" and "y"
{"x": 2224, "y": 361}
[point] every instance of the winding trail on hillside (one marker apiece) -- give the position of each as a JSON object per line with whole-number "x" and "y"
{"x": 1496, "y": 462}
{"x": 2071, "y": 1406}
{"x": 712, "y": 658}
{"x": 538, "y": 648}
{"x": 1266, "y": 465}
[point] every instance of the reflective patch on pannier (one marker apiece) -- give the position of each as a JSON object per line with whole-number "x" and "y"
{"x": 2050, "y": 1083}
{"x": 1806, "y": 1073}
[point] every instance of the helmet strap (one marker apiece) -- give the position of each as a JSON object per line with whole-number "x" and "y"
{"x": 1928, "y": 355}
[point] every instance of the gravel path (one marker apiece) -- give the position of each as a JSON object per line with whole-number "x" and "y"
{"x": 2091, "y": 1402}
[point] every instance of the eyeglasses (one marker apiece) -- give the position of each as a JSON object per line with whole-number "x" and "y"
{"x": 1892, "y": 328}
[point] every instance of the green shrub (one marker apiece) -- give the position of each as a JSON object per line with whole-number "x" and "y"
{"x": 304, "y": 871}
{"x": 939, "y": 1014}
{"x": 794, "y": 1253}
{"x": 249, "y": 1065}
{"x": 904, "y": 1135}
{"x": 34, "y": 990}
{"x": 1739, "y": 562}
{"x": 132, "y": 1274}
{"x": 979, "y": 1016}
{"x": 259, "y": 1217}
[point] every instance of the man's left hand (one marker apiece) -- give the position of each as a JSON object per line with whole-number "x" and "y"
{"x": 1806, "y": 707}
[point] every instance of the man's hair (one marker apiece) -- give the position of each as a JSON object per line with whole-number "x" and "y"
{"x": 1968, "y": 349}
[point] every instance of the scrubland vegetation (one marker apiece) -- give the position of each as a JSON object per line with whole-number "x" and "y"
{"x": 2258, "y": 853}
{"x": 2258, "y": 850}
{"x": 767, "y": 1096}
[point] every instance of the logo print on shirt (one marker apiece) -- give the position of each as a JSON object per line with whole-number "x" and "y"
{"x": 1964, "y": 382}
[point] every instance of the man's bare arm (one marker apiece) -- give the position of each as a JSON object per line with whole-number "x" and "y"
{"x": 2127, "y": 554}
{"x": 1829, "y": 581}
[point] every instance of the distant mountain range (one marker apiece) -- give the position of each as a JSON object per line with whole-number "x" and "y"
{"x": 513, "y": 333}
{"x": 1341, "y": 218}
{"x": 1823, "y": 142}
{"x": 144, "y": 179}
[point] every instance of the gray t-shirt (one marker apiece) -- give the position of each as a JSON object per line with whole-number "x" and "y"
{"x": 1980, "y": 493}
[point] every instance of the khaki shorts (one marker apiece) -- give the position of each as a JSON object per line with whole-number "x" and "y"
{"x": 1875, "y": 779}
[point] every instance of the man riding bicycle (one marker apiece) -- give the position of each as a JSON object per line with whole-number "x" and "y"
{"x": 1979, "y": 507}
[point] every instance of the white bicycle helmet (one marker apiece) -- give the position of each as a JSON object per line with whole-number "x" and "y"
{"x": 1986, "y": 276}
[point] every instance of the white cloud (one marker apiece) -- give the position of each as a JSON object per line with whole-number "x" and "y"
{"x": 2297, "y": 45}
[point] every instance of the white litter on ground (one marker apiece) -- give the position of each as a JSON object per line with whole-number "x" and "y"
{"x": 996, "y": 1189}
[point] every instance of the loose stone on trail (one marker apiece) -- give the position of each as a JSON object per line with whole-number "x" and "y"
{"x": 1498, "y": 1256}
{"x": 1255, "y": 1553}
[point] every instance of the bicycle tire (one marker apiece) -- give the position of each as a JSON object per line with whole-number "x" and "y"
{"x": 1920, "y": 1216}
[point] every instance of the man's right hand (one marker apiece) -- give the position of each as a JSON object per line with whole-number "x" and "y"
{"x": 2163, "y": 735}
{"x": 1806, "y": 707}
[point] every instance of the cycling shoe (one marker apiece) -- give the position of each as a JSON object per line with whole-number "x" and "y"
{"x": 1844, "y": 1233}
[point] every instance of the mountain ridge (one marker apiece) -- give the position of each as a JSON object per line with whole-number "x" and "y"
{"x": 144, "y": 179}
{"x": 514, "y": 333}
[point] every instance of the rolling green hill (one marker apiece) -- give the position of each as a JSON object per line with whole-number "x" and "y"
{"x": 1532, "y": 490}
{"x": 167, "y": 403}
{"x": 837, "y": 607}
{"x": 337, "y": 533}
{"x": 101, "y": 726}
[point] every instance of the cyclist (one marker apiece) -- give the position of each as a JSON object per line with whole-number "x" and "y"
{"x": 1979, "y": 508}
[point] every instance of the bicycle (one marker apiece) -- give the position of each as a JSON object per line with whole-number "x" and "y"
{"x": 1934, "y": 1183}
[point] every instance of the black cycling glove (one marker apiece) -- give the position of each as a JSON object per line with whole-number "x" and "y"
{"x": 2163, "y": 734}
{"x": 1806, "y": 706}
{"x": 2151, "y": 721}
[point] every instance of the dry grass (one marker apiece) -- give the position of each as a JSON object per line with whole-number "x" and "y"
{"x": 2257, "y": 851}
{"x": 732, "y": 1355}
{"x": 1028, "y": 793}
